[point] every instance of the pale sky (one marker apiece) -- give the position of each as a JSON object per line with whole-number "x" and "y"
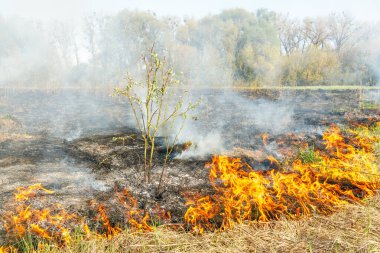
{"x": 365, "y": 10}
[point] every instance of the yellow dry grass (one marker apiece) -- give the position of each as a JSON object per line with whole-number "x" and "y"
{"x": 354, "y": 228}
{"x": 15, "y": 137}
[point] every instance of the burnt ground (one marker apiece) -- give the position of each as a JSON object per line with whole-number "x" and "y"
{"x": 68, "y": 140}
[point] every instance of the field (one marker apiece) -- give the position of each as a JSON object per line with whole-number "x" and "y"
{"x": 84, "y": 147}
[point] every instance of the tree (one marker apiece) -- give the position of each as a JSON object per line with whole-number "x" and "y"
{"x": 342, "y": 28}
{"x": 315, "y": 30}
{"x": 290, "y": 34}
{"x": 157, "y": 105}
{"x": 257, "y": 49}
{"x": 65, "y": 40}
{"x": 93, "y": 27}
{"x": 313, "y": 67}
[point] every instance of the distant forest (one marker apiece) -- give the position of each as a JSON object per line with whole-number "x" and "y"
{"x": 235, "y": 47}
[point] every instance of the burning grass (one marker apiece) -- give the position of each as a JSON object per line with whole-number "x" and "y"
{"x": 32, "y": 225}
{"x": 259, "y": 209}
{"x": 346, "y": 171}
{"x": 354, "y": 228}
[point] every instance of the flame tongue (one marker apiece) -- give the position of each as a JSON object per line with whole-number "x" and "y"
{"x": 55, "y": 224}
{"x": 346, "y": 173}
{"x": 47, "y": 223}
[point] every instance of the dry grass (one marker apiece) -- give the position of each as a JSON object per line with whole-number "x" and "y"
{"x": 354, "y": 228}
{"x": 109, "y": 89}
{"x": 15, "y": 137}
{"x": 315, "y": 87}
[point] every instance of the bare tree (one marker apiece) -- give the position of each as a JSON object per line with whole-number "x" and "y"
{"x": 91, "y": 31}
{"x": 315, "y": 30}
{"x": 290, "y": 34}
{"x": 342, "y": 28}
{"x": 64, "y": 37}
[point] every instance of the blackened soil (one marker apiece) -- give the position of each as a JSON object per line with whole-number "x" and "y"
{"x": 78, "y": 145}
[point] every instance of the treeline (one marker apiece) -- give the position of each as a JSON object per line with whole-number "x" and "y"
{"x": 235, "y": 47}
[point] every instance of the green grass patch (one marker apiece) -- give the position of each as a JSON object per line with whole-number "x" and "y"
{"x": 308, "y": 155}
{"x": 317, "y": 87}
{"x": 7, "y": 116}
{"x": 369, "y": 105}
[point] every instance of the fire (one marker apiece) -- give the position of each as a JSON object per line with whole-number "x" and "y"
{"x": 265, "y": 138}
{"x": 110, "y": 231}
{"x": 25, "y": 193}
{"x": 51, "y": 224}
{"x": 55, "y": 224}
{"x": 134, "y": 215}
{"x": 161, "y": 214}
{"x": 345, "y": 172}
{"x": 9, "y": 249}
{"x": 187, "y": 145}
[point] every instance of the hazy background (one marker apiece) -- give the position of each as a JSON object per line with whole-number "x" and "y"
{"x": 211, "y": 43}
{"x": 366, "y": 10}
{"x": 92, "y": 44}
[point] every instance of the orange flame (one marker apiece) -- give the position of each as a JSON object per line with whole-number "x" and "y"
{"x": 56, "y": 224}
{"x": 346, "y": 173}
{"x": 265, "y": 138}
{"x": 25, "y": 193}
{"x": 110, "y": 231}
{"x": 43, "y": 223}
{"x": 8, "y": 249}
{"x": 161, "y": 214}
{"x": 135, "y": 216}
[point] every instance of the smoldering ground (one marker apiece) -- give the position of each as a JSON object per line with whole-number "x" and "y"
{"x": 66, "y": 118}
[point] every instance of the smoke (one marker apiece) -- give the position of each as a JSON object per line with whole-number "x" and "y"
{"x": 226, "y": 120}
{"x": 202, "y": 145}
{"x": 26, "y": 55}
{"x": 208, "y": 55}
{"x": 373, "y": 53}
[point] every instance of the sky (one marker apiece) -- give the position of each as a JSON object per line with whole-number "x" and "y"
{"x": 365, "y": 10}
